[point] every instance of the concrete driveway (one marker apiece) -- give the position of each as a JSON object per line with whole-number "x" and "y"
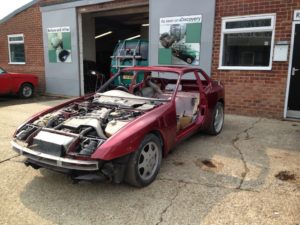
{"x": 249, "y": 174}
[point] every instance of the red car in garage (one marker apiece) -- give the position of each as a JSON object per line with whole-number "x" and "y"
{"x": 121, "y": 132}
{"x": 17, "y": 83}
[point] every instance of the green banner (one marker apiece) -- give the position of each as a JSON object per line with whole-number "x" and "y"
{"x": 59, "y": 45}
{"x": 180, "y": 39}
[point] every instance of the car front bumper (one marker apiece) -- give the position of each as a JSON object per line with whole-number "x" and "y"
{"x": 55, "y": 161}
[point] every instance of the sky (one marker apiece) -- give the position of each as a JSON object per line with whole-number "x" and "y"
{"x": 6, "y": 7}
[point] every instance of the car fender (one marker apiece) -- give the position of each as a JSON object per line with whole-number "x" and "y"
{"x": 18, "y": 82}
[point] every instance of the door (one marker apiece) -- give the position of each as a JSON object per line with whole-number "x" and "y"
{"x": 294, "y": 90}
{"x": 187, "y": 102}
{"x": 5, "y": 82}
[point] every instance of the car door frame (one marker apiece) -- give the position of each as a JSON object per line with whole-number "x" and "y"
{"x": 194, "y": 127}
{"x": 285, "y": 112}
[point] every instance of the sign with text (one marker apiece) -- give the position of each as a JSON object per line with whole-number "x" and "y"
{"x": 59, "y": 44}
{"x": 297, "y": 15}
{"x": 179, "y": 41}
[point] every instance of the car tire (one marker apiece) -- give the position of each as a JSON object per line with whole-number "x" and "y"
{"x": 26, "y": 90}
{"x": 217, "y": 122}
{"x": 144, "y": 164}
{"x": 189, "y": 60}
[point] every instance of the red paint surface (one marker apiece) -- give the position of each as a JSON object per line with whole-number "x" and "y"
{"x": 10, "y": 83}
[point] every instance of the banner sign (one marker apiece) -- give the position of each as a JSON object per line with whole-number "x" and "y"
{"x": 59, "y": 45}
{"x": 297, "y": 15}
{"x": 179, "y": 41}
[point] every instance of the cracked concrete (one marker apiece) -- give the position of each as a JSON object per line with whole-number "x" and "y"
{"x": 10, "y": 158}
{"x": 234, "y": 143}
{"x": 239, "y": 187}
{"x": 161, "y": 219}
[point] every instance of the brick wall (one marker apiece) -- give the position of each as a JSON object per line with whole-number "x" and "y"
{"x": 29, "y": 23}
{"x": 255, "y": 93}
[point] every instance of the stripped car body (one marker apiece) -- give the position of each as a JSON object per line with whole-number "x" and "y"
{"x": 122, "y": 132}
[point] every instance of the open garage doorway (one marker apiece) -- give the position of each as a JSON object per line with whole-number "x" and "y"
{"x": 102, "y": 37}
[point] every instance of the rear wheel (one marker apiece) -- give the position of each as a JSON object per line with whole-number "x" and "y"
{"x": 189, "y": 60}
{"x": 26, "y": 91}
{"x": 218, "y": 119}
{"x": 144, "y": 164}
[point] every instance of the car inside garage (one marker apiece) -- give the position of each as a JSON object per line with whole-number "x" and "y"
{"x": 112, "y": 39}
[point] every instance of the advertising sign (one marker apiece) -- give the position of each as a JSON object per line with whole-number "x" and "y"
{"x": 297, "y": 15}
{"x": 179, "y": 41}
{"x": 59, "y": 45}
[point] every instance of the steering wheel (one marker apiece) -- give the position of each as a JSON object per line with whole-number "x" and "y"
{"x": 154, "y": 86}
{"x": 122, "y": 88}
{"x": 138, "y": 93}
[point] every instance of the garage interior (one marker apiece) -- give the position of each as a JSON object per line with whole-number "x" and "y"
{"x": 101, "y": 32}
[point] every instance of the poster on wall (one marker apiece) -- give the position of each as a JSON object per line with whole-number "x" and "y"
{"x": 179, "y": 41}
{"x": 59, "y": 45}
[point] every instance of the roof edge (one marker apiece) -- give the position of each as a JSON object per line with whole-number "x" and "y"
{"x": 17, "y": 11}
{"x": 45, "y": 4}
{"x": 69, "y": 4}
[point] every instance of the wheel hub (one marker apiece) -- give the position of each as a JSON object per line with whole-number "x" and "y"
{"x": 27, "y": 91}
{"x": 219, "y": 119}
{"x": 148, "y": 160}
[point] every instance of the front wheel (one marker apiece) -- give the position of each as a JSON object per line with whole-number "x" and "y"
{"x": 218, "y": 119}
{"x": 144, "y": 164}
{"x": 26, "y": 91}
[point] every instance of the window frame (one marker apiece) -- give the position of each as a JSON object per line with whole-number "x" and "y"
{"x": 225, "y": 30}
{"x": 15, "y": 42}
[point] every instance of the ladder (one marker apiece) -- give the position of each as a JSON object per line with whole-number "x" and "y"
{"x": 124, "y": 54}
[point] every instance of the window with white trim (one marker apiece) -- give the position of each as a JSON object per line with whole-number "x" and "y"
{"x": 16, "y": 49}
{"x": 247, "y": 42}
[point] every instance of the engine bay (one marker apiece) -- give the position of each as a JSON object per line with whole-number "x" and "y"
{"x": 79, "y": 128}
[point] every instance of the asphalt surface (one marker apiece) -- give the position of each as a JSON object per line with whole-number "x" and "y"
{"x": 249, "y": 174}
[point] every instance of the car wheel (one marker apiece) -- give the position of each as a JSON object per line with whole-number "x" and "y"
{"x": 26, "y": 91}
{"x": 144, "y": 164}
{"x": 189, "y": 60}
{"x": 218, "y": 119}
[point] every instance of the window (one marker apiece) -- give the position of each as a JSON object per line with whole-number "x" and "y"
{"x": 2, "y": 71}
{"x": 247, "y": 42}
{"x": 16, "y": 49}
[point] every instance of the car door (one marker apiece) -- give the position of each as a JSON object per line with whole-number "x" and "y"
{"x": 187, "y": 102}
{"x": 5, "y": 82}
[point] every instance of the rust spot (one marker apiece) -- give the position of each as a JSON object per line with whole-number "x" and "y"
{"x": 295, "y": 125}
{"x": 178, "y": 163}
{"x": 285, "y": 176}
{"x": 209, "y": 163}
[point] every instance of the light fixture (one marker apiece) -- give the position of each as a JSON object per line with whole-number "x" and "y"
{"x": 145, "y": 25}
{"x": 134, "y": 37}
{"x": 104, "y": 34}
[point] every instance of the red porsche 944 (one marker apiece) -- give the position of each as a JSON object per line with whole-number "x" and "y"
{"x": 122, "y": 132}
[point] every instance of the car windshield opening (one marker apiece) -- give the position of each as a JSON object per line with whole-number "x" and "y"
{"x": 154, "y": 85}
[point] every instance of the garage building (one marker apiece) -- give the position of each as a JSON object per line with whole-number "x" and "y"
{"x": 251, "y": 46}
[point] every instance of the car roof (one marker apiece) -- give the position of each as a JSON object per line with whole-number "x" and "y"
{"x": 175, "y": 69}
